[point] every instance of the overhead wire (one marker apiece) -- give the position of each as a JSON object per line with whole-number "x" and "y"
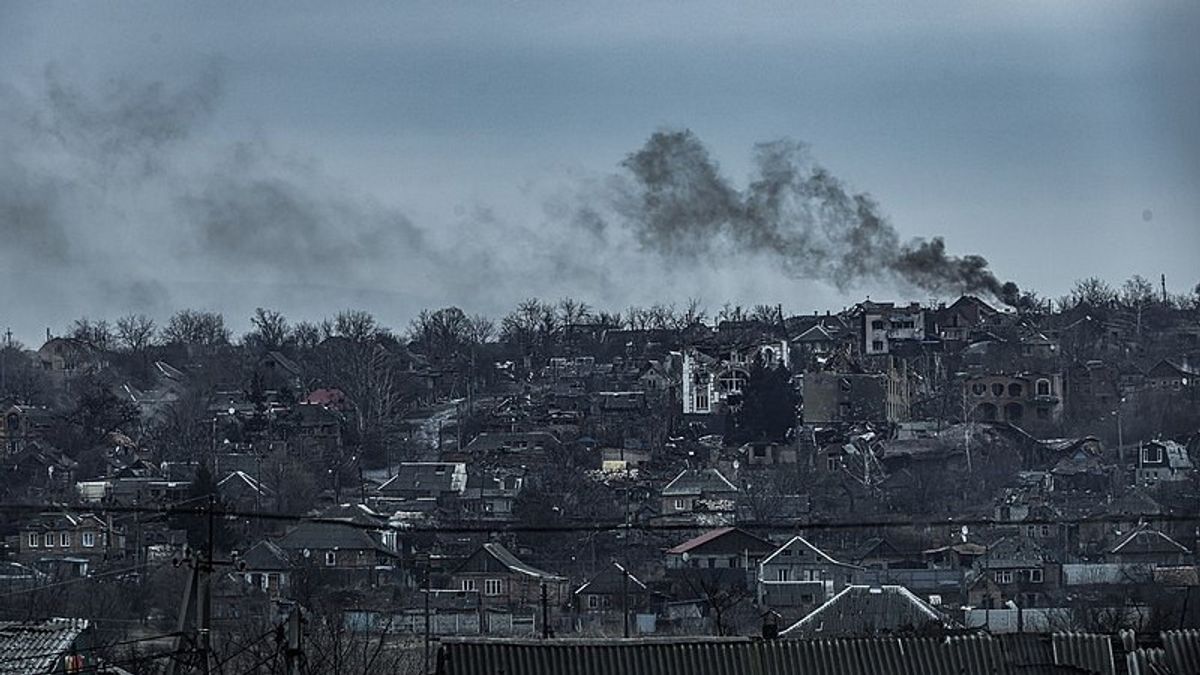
{"x": 790, "y": 525}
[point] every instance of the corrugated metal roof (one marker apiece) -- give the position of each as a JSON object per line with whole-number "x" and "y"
{"x": 37, "y": 646}
{"x": 951, "y": 655}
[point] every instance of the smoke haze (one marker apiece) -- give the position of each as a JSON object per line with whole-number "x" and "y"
{"x": 793, "y": 209}
{"x": 116, "y": 198}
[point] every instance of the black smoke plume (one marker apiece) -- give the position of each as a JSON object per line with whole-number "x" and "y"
{"x": 678, "y": 204}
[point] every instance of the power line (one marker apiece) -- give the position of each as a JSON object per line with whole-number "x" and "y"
{"x": 58, "y": 584}
{"x": 95, "y": 648}
{"x": 616, "y": 525}
{"x": 244, "y": 648}
{"x": 102, "y": 666}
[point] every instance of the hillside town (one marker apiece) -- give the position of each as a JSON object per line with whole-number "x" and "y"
{"x": 368, "y": 496}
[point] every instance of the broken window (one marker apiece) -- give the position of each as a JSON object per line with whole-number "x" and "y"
{"x": 1014, "y": 390}
{"x": 979, "y": 389}
{"x": 997, "y": 389}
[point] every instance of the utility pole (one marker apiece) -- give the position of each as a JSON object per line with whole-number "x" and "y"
{"x": 428, "y": 633}
{"x": 625, "y": 601}
{"x": 545, "y": 613}
{"x": 293, "y": 654}
{"x": 205, "y": 605}
{"x": 195, "y": 609}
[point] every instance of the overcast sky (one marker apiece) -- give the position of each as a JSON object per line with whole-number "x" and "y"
{"x": 404, "y": 155}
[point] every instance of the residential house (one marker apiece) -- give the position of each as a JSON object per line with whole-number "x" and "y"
{"x": 266, "y": 566}
{"x": 243, "y": 492}
{"x": 48, "y": 646}
{"x": 128, "y": 489}
{"x": 960, "y": 319}
{"x": 727, "y": 554}
{"x": 614, "y": 592}
{"x": 1081, "y": 471}
{"x": 878, "y": 553}
{"x": 699, "y": 493}
{"x": 1162, "y": 461}
{"x": 423, "y": 485}
{"x": 816, "y": 341}
{"x": 340, "y": 552}
{"x": 23, "y": 424}
{"x": 506, "y": 581}
{"x": 1028, "y": 400}
{"x": 279, "y": 372}
{"x": 763, "y": 453}
{"x": 1015, "y": 569}
{"x": 522, "y": 447}
{"x": 1173, "y": 375}
{"x": 883, "y": 324}
{"x": 491, "y": 494}
{"x": 832, "y": 397}
{"x": 69, "y": 544}
{"x": 870, "y": 612}
{"x": 66, "y": 357}
{"x": 800, "y": 576}
{"x": 317, "y": 430}
{"x": 714, "y": 375}
{"x": 1148, "y": 546}
{"x": 38, "y": 471}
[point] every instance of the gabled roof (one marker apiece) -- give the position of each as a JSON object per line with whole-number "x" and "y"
{"x": 243, "y": 479}
{"x": 265, "y": 555}
{"x": 37, "y": 646}
{"x": 730, "y": 533}
{"x": 1133, "y": 503}
{"x": 328, "y": 536}
{"x": 865, "y": 611}
{"x": 611, "y": 580}
{"x": 801, "y": 544}
{"x": 1014, "y": 552}
{"x": 1146, "y": 540}
{"x": 358, "y": 514}
{"x": 817, "y": 333}
{"x": 514, "y": 564}
{"x": 434, "y": 477}
{"x": 283, "y": 362}
{"x": 697, "y": 482}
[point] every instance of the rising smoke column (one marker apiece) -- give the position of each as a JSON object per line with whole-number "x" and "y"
{"x": 678, "y": 204}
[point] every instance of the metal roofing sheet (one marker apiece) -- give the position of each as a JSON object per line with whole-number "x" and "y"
{"x": 947, "y": 655}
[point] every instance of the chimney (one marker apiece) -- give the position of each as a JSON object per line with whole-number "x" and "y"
{"x": 47, "y": 333}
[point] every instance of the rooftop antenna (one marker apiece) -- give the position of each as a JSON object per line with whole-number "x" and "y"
{"x": 1163, "y": 279}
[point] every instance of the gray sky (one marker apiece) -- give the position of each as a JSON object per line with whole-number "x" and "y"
{"x": 402, "y": 155}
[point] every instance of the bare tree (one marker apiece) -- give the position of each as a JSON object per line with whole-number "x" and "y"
{"x": 357, "y": 326}
{"x": 96, "y": 333}
{"x": 481, "y": 329}
{"x": 196, "y": 328}
{"x": 306, "y": 335}
{"x": 270, "y": 331}
{"x": 135, "y": 333}
{"x": 692, "y": 314}
{"x": 572, "y": 312}
{"x": 1092, "y": 292}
